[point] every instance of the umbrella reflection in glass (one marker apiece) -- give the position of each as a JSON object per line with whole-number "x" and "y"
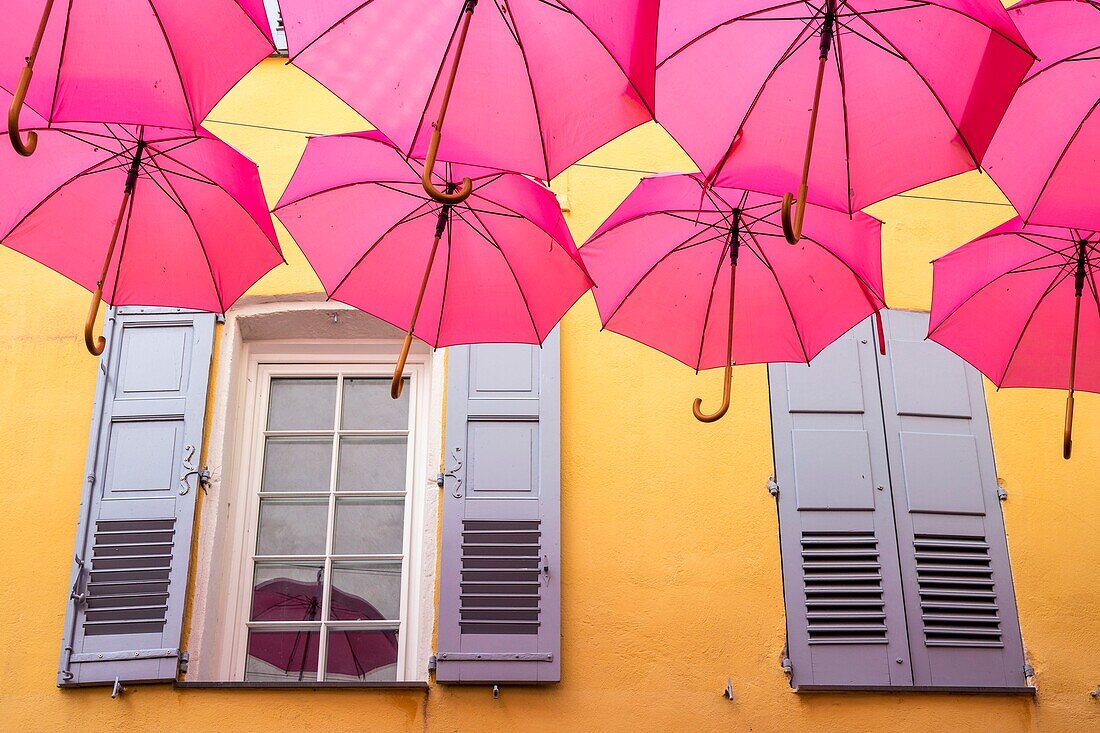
{"x": 351, "y": 652}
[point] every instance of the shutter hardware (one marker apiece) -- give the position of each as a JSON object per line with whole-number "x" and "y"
{"x": 773, "y": 487}
{"x": 493, "y": 657}
{"x": 117, "y": 690}
{"x": 1095, "y": 693}
{"x": 123, "y": 656}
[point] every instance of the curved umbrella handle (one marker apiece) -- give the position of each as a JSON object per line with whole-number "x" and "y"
{"x": 95, "y": 345}
{"x": 24, "y": 148}
{"x": 1067, "y": 434}
{"x": 697, "y": 408}
{"x": 397, "y": 384}
{"x": 792, "y": 226}
{"x": 464, "y": 190}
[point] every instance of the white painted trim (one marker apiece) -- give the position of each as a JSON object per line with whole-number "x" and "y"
{"x": 219, "y": 546}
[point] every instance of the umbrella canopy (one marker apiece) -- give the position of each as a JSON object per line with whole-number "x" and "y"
{"x": 141, "y": 62}
{"x": 285, "y": 599}
{"x": 537, "y": 84}
{"x": 186, "y": 211}
{"x": 716, "y": 285}
{"x": 1044, "y": 154}
{"x": 897, "y": 93}
{"x": 1020, "y": 303}
{"x": 508, "y": 270}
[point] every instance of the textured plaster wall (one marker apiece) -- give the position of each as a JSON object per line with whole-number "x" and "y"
{"x": 671, "y": 579}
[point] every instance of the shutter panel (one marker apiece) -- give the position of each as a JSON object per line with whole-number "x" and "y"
{"x": 964, "y": 631}
{"x": 499, "y": 604}
{"x": 133, "y": 543}
{"x": 841, "y": 582}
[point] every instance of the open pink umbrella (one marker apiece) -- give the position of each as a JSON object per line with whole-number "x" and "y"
{"x": 508, "y": 269}
{"x": 1045, "y": 152}
{"x": 186, "y": 211}
{"x": 716, "y": 285}
{"x": 537, "y": 84}
{"x": 898, "y": 92}
{"x": 163, "y": 63}
{"x": 1010, "y": 303}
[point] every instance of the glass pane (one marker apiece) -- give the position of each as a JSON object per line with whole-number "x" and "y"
{"x": 292, "y": 527}
{"x": 364, "y": 591}
{"x": 297, "y": 464}
{"x": 372, "y": 464}
{"x": 369, "y": 526}
{"x": 282, "y": 656}
{"x": 365, "y": 656}
{"x": 301, "y": 404}
{"x": 368, "y": 405}
{"x": 287, "y": 591}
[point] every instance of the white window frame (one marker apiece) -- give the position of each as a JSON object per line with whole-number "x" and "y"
{"x": 262, "y": 372}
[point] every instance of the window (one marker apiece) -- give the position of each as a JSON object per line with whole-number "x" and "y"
{"x": 327, "y": 550}
{"x": 895, "y": 562}
{"x": 278, "y": 30}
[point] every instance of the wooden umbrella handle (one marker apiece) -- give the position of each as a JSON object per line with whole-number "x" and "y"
{"x": 26, "y": 148}
{"x": 697, "y": 408}
{"x": 1067, "y": 433}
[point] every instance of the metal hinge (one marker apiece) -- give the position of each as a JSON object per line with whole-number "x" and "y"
{"x": 433, "y": 663}
{"x": 1096, "y": 692}
{"x": 773, "y": 487}
{"x": 1029, "y": 671}
{"x": 181, "y": 666}
{"x": 785, "y": 665}
{"x": 1002, "y": 494}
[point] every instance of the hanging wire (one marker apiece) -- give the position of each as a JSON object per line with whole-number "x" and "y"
{"x": 618, "y": 169}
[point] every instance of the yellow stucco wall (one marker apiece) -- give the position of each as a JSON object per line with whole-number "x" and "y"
{"x": 671, "y": 576}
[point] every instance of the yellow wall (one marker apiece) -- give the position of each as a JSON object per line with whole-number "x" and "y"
{"x": 671, "y": 576}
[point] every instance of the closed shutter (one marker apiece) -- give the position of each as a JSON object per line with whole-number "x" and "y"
{"x": 964, "y": 631}
{"x": 133, "y": 542}
{"x": 499, "y": 603}
{"x": 841, "y": 581}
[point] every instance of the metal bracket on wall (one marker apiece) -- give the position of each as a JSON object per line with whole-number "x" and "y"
{"x": 773, "y": 487}
{"x": 117, "y": 689}
{"x": 728, "y": 692}
{"x": 1095, "y": 693}
{"x": 496, "y": 692}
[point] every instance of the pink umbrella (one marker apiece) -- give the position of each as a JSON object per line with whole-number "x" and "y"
{"x": 508, "y": 272}
{"x": 1010, "y": 304}
{"x": 193, "y": 227}
{"x": 1044, "y": 154}
{"x": 667, "y": 272}
{"x": 142, "y": 62}
{"x": 541, "y": 84}
{"x": 912, "y": 94}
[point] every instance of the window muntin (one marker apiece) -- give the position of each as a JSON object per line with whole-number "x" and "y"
{"x": 329, "y": 558}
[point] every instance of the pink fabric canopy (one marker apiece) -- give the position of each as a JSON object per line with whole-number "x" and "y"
{"x": 541, "y": 83}
{"x": 151, "y": 62}
{"x": 912, "y": 93}
{"x": 1045, "y": 153}
{"x": 662, "y": 271}
{"x": 507, "y": 269}
{"x": 197, "y": 233}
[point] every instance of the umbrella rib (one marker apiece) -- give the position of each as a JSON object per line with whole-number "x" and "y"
{"x": 531, "y": 84}
{"x": 991, "y": 29}
{"x": 775, "y": 276}
{"x": 172, "y": 196}
{"x": 839, "y": 58}
{"x": 61, "y": 60}
{"x": 868, "y": 286}
{"x": 202, "y": 244}
{"x": 1061, "y": 157}
{"x": 53, "y": 193}
{"x": 848, "y": 27}
{"x": 710, "y": 303}
{"x": 175, "y": 64}
{"x": 943, "y": 107}
{"x": 353, "y": 184}
{"x": 1059, "y": 62}
{"x": 400, "y": 222}
{"x": 731, "y": 21}
{"x": 1059, "y": 278}
{"x": 323, "y": 33}
{"x": 435, "y": 82}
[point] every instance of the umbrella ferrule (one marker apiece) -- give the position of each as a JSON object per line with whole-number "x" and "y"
{"x": 735, "y": 237}
{"x": 1082, "y": 263}
{"x": 441, "y": 220}
{"x": 469, "y": 6}
{"x": 827, "y": 31}
{"x": 135, "y": 167}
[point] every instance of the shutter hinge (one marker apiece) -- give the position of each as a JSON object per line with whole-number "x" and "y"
{"x": 785, "y": 663}
{"x": 1029, "y": 671}
{"x": 117, "y": 689}
{"x": 433, "y": 663}
{"x": 1095, "y": 693}
{"x": 1002, "y": 494}
{"x": 181, "y": 666}
{"x": 773, "y": 487}
{"x": 75, "y": 594}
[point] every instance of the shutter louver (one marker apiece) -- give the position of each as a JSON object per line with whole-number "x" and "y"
{"x": 964, "y": 631}
{"x": 841, "y": 581}
{"x": 499, "y": 602}
{"x": 125, "y": 613}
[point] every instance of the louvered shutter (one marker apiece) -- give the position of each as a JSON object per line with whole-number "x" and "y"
{"x": 964, "y": 631}
{"x": 499, "y": 602}
{"x": 841, "y": 583}
{"x": 133, "y": 542}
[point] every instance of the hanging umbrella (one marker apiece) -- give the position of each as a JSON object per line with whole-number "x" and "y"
{"x": 142, "y": 62}
{"x": 899, "y": 93}
{"x": 715, "y": 285}
{"x": 185, "y": 210}
{"x": 1010, "y": 303}
{"x": 537, "y": 84}
{"x": 508, "y": 269}
{"x": 1044, "y": 154}
{"x": 284, "y": 599}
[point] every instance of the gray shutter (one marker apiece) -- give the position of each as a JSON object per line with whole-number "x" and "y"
{"x": 841, "y": 582}
{"x": 964, "y": 631}
{"x": 499, "y": 588}
{"x": 133, "y": 542}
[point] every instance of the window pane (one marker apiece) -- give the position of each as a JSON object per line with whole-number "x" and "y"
{"x": 287, "y": 591}
{"x": 364, "y": 591}
{"x": 297, "y": 464}
{"x": 292, "y": 527}
{"x": 282, "y": 656}
{"x": 365, "y": 656}
{"x": 369, "y": 526}
{"x": 372, "y": 464}
{"x": 368, "y": 405}
{"x": 301, "y": 404}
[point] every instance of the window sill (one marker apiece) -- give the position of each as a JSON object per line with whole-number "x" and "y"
{"x": 302, "y": 685}
{"x": 1027, "y": 691}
